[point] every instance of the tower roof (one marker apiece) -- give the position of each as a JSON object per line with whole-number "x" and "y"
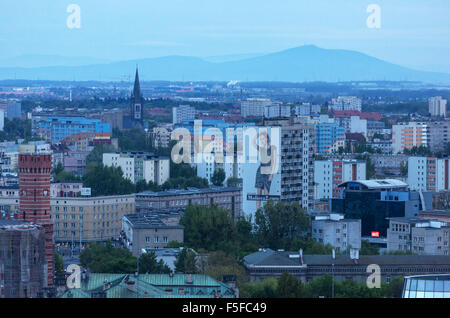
{"x": 137, "y": 87}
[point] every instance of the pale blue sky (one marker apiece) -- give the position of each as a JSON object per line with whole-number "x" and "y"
{"x": 414, "y": 33}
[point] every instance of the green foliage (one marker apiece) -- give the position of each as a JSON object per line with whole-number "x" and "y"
{"x": 312, "y": 247}
{"x": 174, "y": 244}
{"x": 96, "y": 155}
{"x": 186, "y": 262}
{"x": 403, "y": 168}
{"x": 221, "y": 264}
{"x": 149, "y": 264}
{"x": 218, "y": 177}
{"x": 16, "y": 129}
{"x": 265, "y": 288}
{"x": 213, "y": 229}
{"x": 368, "y": 249}
{"x": 418, "y": 151}
{"x": 290, "y": 287}
{"x": 182, "y": 170}
{"x": 184, "y": 183}
{"x": 104, "y": 258}
{"x": 59, "y": 264}
{"x": 279, "y": 224}
{"x": 59, "y": 174}
{"x": 210, "y": 228}
{"x": 398, "y": 253}
{"x": 133, "y": 140}
{"x": 105, "y": 180}
{"x": 370, "y": 167}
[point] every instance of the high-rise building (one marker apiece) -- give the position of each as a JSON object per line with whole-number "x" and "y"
{"x": 329, "y": 136}
{"x": 438, "y": 135}
{"x": 437, "y": 106}
{"x": 182, "y": 112}
{"x": 408, "y": 135}
{"x": 34, "y": 199}
{"x": 277, "y": 110}
{"x": 329, "y": 174}
{"x": 428, "y": 174}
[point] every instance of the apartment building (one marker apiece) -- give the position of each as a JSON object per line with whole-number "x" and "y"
{"x": 329, "y": 135}
{"x": 438, "y": 135}
{"x": 408, "y": 135}
{"x": 437, "y": 106}
{"x": 277, "y": 110}
{"x": 329, "y": 174}
{"x": 138, "y": 166}
{"x": 340, "y": 233}
{"x": 297, "y": 161}
{"x": 428, "y": 174}
{"x": 254, "y": 107}
{"x": 182, "y": 112}
{"x": 346, "y": 103}
{"x": 418, "y": 235}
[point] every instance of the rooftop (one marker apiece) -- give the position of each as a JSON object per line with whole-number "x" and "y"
{"x": 155, "y": 218}
{"x": 378, "y": 184}
{"x": 187, "y": 191}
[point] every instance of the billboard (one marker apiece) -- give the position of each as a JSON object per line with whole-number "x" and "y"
{"x": 85, "y": 191}
{"x": 261, "y": 167}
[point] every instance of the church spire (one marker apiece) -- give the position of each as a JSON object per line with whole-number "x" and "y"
{"x": 137, "y": 86}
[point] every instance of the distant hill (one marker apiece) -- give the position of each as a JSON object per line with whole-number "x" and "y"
{"x": 300, "y": 64}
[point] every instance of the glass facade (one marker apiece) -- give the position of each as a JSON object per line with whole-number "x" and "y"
{"x": 427, "y": 286}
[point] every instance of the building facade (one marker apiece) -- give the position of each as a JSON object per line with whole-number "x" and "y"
{"x": 182, "y": 112}
{"x": 428, "y": 174}
{"x": 408, "y": 135}
{"x": 437, "y": 106}
{"x": 340, "y": 233}
{"x": 138, "y": 166}
{"x": 329, "y": 174}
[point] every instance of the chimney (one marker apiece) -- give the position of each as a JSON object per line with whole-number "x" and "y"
{"x": 189, "y": 279}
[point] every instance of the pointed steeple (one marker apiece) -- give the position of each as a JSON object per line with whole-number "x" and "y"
{"x": 137, "y": 86}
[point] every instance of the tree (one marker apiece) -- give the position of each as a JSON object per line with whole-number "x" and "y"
{"x": 149, "y": 264}
{"x": 279, "y": 224}
{"x": 368, "y": 249}
{"x": 221, "y": 264}
{"x": 218, "y": 177}
{"x": 96, "y": 155}
{"x": 210, "y": 228}
{"x": 186, "y": 262}
{"x": 104, "y": 258}
{"x": 289, "y": 287}
{"x": 59, "y": 264}
{"x": 403, "y": 168}
{"x": 234, "y": 182}
{"x": 104, "y": 180}
{"x": 266, "y": 288}
{"x": 312, "y": 247}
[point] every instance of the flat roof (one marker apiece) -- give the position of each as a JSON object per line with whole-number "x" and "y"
{"x": 378, "y": 183}
{"x": 187, "y": 191}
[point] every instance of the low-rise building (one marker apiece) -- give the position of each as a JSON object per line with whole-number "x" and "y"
{"x": 340, "y": 233}
{"x": 151, "y": 230}
{"x": 228, "y": 198}
{"x": 269, "y": 263}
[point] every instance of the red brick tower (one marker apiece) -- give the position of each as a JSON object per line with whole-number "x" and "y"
{"x": 34, "y": 193}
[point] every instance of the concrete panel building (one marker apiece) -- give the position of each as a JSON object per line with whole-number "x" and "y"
{"x": 340, "y": 233}
{"x": 138, "y": 166}
{"x": 428, "y": 174}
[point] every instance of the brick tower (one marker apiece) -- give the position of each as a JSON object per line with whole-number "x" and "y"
{"x": 34, "y": 203}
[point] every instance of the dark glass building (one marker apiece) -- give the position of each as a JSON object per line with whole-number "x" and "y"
{"x": 374, "y": 201}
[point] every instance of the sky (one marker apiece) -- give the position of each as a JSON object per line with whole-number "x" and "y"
{"x": 413, "y": 33}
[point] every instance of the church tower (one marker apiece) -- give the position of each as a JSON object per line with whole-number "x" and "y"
{"x": 137, "y": 102}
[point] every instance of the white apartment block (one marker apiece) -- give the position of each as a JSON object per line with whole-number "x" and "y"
{"x": 328, "y": 174}
{"x": 138, "y": 166}
{"x": 254, "y": 107}
{"x": 182, "y": 112}
{"x": 437, "y": 106}
{"x": 277, "y": 110}
{"x": 358, "y": 125}
{"x": 428, "y": 174}
{"x": 307, "y": 109}
{"x": 408, "y": 135}
{"x": 346, "y": 103}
